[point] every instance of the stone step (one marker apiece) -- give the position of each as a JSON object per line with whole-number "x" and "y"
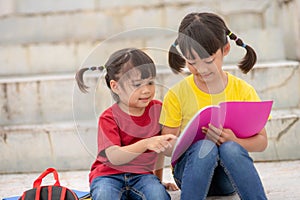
{"x": 279, "y": 81}
{"x": 72, "y": 145}
{"x": 35, "y": 31}
{"x": 283, "y": 137}
{"x": 30, "y": 148}
{"x": 42, "y": 99}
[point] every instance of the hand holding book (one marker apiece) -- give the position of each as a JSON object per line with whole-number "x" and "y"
{"x": 218, "y": 135}
{"x": 244, "y": 119}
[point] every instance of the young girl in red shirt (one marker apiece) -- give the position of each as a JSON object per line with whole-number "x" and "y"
{"x": 130, "y": 143}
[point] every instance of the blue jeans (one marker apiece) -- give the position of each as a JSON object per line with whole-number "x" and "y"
{"x": 208, "y": 170}
{"x": 128, "y": 186}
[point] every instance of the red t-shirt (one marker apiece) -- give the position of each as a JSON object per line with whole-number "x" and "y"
{"x": 116, "y": 127}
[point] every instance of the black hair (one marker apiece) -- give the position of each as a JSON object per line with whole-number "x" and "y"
{"x": 118, "y": 64}
{"x": 205, "y": 33}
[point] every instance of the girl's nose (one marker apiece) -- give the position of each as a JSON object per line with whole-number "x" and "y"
{"x": 145, "y": 89}
{"x": 203, "y": 68}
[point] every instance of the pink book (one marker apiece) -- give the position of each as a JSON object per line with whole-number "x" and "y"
{"x": 244, "y": 118}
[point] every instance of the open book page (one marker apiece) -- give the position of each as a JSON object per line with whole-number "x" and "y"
{"x": 245, "y": 119}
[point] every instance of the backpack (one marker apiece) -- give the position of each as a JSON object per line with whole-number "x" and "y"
{"x": 48, "y": 192}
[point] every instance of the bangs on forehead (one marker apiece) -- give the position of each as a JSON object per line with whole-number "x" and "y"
{"x": 137, "y": 63}
{"x": 147, "y": 71}
{"x": 200, "y": 39}
{"x": 143, "y": 71}
{"x": 143, "y": 63}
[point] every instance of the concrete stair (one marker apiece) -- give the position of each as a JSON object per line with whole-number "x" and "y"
{"x": 45, "y": 121}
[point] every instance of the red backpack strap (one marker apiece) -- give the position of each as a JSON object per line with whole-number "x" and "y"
{"x": 38, "y": 193}
{"x": 63, "y": 193}
{"x": 37, "y": 183}
{"x": 49, "y": 192}
{"x": 23, "y": 196}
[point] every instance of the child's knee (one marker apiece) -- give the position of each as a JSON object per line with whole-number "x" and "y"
{"x": 157, "y": 192}
{"x": 153, "y": 192}
{"x": 232, "y": 150}
{"x": 204, "y": 149}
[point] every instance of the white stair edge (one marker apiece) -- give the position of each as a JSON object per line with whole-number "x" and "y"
{"x": 70, "y": 125}
{"x": 71, "y": 76}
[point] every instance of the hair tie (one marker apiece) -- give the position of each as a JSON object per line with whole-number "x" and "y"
{"x": 174, "y": 45}
{"x": 244, "y": 45}
{"x": 103, "y": 67}
{"x": 91, "y": 68}
{"x": 236, "y": 39}
{"x": 229, "y": 34}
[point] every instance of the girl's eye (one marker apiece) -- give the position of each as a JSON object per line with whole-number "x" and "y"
{"x": 151, "y": 83}
{"x": 137, "y": 85}
{"x": 209, "y": 62}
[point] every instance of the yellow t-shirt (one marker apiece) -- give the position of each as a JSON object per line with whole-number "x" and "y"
{"x": 184, "y": 99}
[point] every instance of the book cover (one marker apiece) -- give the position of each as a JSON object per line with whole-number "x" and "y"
{"x": 244, "y": 118}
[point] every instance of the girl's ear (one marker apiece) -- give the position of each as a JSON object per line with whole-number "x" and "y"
{"x": 114, "y": 86}
{"x": 226, "y": 49}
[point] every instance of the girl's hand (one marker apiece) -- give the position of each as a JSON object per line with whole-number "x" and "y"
{"x": 160, "y": 143}
{"x": 170, "y": 186}
{"x": 219, "y": 135}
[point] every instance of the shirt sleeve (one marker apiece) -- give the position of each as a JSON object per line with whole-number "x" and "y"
{"x": 251, "y": 94}
{"x": 171, "y": 115}
{"x": 108, "y": 133}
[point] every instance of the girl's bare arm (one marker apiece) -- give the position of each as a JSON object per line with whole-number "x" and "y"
{"x": 170, "y": 131}
{"x": 118, "y": 155}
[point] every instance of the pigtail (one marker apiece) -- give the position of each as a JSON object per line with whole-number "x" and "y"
{"x": 79, "y": 77}
{"x": 176, "y": 61}
{"x": 249, "y": 60}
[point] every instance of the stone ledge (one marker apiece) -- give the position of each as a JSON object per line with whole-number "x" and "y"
{"x": 166, "y": 71}
{"x": 27, "y": 148}
{"x": 283, "y": 137}
{"x": 35, "y": 99}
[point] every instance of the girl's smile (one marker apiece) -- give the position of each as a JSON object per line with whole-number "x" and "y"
{"x": 145, "y": 99}
{"x": 206, "y": 75}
